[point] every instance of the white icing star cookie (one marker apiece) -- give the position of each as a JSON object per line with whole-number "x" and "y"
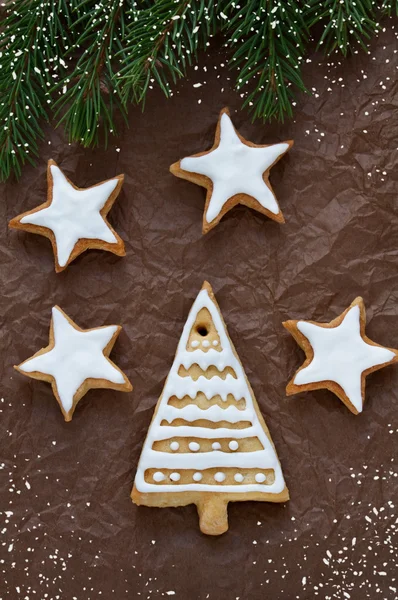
{"x": 74, "y": 219}
{"x": 207, "y": 443}
{"x": 234, "y": 171}
{"x": 75, "y": 361}
{"x": 339, "y": 356}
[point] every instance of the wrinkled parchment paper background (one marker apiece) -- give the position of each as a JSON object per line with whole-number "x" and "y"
{"x": 68, "y": 527}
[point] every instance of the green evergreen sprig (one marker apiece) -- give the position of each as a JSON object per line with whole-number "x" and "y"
{"x": 32, "y": 44}
{"x": 84, "y": 61}
{"x": 161, "y": 42}
{"x": 90, "y": 93}
{"x": 269, "y": 37}
{"x": 345, "y": 23}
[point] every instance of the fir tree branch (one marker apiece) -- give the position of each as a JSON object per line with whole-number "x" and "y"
{"x": 114, "y": 50}
{"x": 269, "y": 37}
{"x": 31, "y": 47}
{"x": 161, "y": 42}
{"x": 345, "y": 23}
{"x": 90, "y": 94}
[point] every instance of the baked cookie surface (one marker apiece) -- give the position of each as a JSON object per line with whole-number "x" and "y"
{"x": 75, "y": 361}
{"x": 207, "y": 443}
{"x": 234, "y": 171}
{"x": 74, "y": 219}
{"x": 339, "y": 356}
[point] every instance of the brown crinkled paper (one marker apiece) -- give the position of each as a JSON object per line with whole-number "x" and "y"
{"x": 68, "y": 527}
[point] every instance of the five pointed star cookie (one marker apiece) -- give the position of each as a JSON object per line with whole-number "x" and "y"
{"x": 234, "y": 171}
{"x": 339, "y": 356}
{"x": 74, "y": 219}
{"x": 75, "y": 361}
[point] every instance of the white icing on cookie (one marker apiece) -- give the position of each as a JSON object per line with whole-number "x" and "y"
{"x": 194, "y": 446}
{"x": 214, "y": 413}
{"x": 219, "y": 477}
{"x": 158, "y": 476}
{"x": 195, "y": 344}
{"x": 185, "y": 386}
{"x": 238, "y": 477}
{"x": 74, "y": 214}
{"x": 341, "y": 355}
{"x": 180, "y": 386}
{"x": 174, "y": 446}
{"x": 197, "y": 476}
{"x": 260, "y": 477}
{"x": 175, "y": 477}
{"x": 76, "y": 356}
{"x": 235, "y": 168}
{"x": 215, "y": 342}
{"x": 233, "y": 445}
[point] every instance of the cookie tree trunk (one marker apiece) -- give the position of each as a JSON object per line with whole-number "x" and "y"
{"x": 213, "y": 515}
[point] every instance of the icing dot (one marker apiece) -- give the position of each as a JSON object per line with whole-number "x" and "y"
{"x": 174, "y": 446}
{"x": 260, "y": 477}
{"x": 233, "y": 445}
{"x": 216, "y": 446}
{"x": 194, "y": 446}
{"x": 175, "y": 477}
{"x": 195, "y": 344}
{"x": 238, "y": 477}
{"x": 197, "y": 476}
{"x": 219, "y": 477}
{"x": 215, "y": 342}
{"x": 158, "y": 476}
{"x": 206, "y": 343}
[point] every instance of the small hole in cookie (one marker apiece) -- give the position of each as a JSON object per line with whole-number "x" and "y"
{"x": 202, "y": 330}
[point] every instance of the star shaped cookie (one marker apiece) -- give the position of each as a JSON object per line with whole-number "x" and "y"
{"x": 234, "y": 171}
{"x": 75, "y": 361}
{"x": 339, "y": 356}
{"x": 74, "y": 219}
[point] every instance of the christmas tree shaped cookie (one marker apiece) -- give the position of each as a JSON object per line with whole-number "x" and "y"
{"x": 207, "y": 443}
{"x": 339, "y": 356}
{"x": 234, "y": 171}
